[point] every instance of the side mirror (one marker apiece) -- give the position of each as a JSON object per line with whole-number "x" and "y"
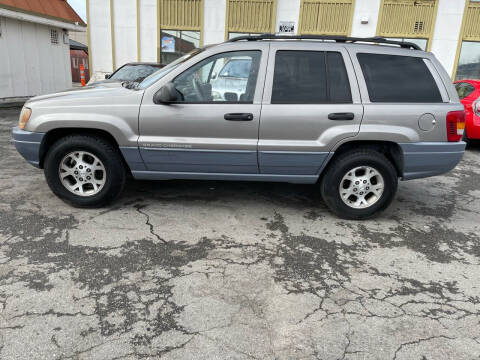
{"x": 214, "y": 75}
{"x": 107, "y": 76}
{"x": 166, "y": 95}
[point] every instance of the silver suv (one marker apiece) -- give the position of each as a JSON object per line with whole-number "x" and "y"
{"x": 351, "y": 114}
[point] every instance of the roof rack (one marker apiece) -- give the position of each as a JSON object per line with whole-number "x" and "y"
{"x": 340, "y": 39}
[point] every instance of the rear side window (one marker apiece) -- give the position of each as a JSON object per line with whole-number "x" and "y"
{"x": 337, "y": 79}
{"x": 398, "y": 79}
{"x": 310, "y": 77}
{"x": 464, "y": 89}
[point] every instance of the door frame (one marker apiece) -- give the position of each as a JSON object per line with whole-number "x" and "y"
{"x": 182, "y": 153}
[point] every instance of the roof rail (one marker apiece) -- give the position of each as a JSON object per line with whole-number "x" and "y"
{"x": 341, "y": 39}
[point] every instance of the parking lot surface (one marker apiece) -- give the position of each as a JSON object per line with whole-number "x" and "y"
{"x": 234, "y": 270}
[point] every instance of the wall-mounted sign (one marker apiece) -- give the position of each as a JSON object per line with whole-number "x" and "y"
{"x": 168, "y": 44}
{"x": 287, "y": 27}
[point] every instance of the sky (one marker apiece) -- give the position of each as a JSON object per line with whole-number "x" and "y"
{"x": 79, "y": 7}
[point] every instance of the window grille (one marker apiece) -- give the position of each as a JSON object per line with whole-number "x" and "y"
{"x": 326, "y": 17}
{"x": 54, "y": 36}
{"x": 407, "y": 18}
{"x": 251, "y": 16}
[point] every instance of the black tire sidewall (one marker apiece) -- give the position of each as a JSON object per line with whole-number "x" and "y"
{"x": 465, "y": 138}
{"x": 108, "y": 155}
{"x": 334, "y": 175}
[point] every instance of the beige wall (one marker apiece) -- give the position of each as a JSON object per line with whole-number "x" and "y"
{"x": 81, "y": 37}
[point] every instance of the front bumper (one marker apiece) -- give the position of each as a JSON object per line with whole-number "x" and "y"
{"x": 426, "y": 159}
{"x": 28, "y": 144}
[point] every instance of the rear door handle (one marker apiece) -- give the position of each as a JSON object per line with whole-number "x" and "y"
{"x": 341, "y": 116}
{"x": 238, "y": 117}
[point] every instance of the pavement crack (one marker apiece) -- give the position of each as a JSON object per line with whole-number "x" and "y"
{"x": 418, "y": 341}
{"x": 139, "y": 208}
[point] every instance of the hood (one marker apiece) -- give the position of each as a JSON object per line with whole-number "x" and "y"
{"x": 113, "y": 89}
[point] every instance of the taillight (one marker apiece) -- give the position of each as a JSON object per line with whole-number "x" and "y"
{"x": 455, "y": 125}
{"x": 476, "y": 107}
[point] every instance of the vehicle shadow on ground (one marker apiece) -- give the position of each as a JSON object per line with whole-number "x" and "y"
{"x": 299, "y": 196}
{"x": 304, "y": 197}
{"x": 474, "y": 146}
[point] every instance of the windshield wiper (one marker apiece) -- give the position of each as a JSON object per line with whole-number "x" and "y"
{"x": 130, "y": 84}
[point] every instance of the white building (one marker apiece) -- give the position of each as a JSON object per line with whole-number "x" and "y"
{"x": 122, "y": 31}
{"x": 34, "y": 47}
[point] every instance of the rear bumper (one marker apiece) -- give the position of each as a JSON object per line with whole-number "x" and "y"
{"x": 28, "y": 144}
{"x": 430, "y": 158}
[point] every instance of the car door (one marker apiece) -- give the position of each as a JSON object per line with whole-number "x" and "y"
{"x": 311, "y": 102}
{"x": 211, "y": 129}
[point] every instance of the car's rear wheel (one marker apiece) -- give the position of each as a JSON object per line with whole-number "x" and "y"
{"x": 465, "y": 138}
{"x": 85, "y": 171}
{"x": 359, "y": 184}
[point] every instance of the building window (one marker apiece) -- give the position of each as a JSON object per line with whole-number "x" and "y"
{"x": 75, "y": 63}
{"x": 176, "y": 43}
{"x": 469, "y": 61}
{"x": 54, "y": 36}
{"x": 85, "y": 63}
{"x": 180, "y": 23}
{"x": 469, "y": 55}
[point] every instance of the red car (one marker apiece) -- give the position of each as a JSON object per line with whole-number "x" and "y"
{"x": 469, "y": 93}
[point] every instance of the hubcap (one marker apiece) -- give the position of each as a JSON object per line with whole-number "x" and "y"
{"x": 361, "y": 187}
{"x": 82, "y": 173}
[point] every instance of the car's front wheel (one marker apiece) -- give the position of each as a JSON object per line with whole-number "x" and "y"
{"x": 84, "y": 170}
{"x": 359, "y": 184}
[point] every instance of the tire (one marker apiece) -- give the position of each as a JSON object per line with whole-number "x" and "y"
{"x": 466, "y": 139}
{"x": 106, "y": 184}
{"x": 338, "y": 174}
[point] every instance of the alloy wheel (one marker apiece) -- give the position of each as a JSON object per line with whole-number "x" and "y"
{"x": 361, "y": 187}
{"x": 82, "y": 173}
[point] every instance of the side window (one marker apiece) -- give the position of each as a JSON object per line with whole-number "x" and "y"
{"x": 464, "y": 90}
{"x": 310, "y": 77}
{"x": 337, "y": 81}
{"x": 398, "y": 79}
{"x": 227, "y": 77}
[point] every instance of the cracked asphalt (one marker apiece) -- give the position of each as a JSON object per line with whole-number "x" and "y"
{"x": 233, "y": 270}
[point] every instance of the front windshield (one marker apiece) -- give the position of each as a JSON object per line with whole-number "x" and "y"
{"x": 153, "y": 78}
{"x": 133, "y": 72}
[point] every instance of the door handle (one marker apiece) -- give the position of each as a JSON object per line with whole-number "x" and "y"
{"x": 238, "y": 117}
{"x": 341, "y": 116}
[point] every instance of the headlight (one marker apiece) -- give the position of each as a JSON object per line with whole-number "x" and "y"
{"x": 24, "y": 116}
{"x": 476, "y": 107}
{"x": 216, "y": 96}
